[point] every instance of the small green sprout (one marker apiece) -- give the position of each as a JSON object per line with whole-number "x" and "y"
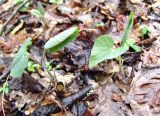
{"x": 48, "y": 65}
{"x": 31, "y": 66}
{"x": 144, "y": 30}
{"x": 5, "y": 88}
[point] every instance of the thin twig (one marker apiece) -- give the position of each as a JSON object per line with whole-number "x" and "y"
{"x": 11, "y": 17}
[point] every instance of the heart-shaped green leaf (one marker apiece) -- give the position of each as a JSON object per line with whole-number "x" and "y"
{"x": 103, "y": 46}
{"x": 60, "y": 40}
{"x": 103, "y": 50}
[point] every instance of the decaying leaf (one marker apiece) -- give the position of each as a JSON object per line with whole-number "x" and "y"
{"x": 152, "y": 55}
{"x": 144, "y": 93}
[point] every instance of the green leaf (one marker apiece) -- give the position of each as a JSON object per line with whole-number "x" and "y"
{"x": 31, "y": 66}
{"x": 103, "y": 46}
{"x": 36, "y": 13}
{"x": 60, "y": 40}
{"x": 128, "y": 28}
{"x": 20, "y": 61}
{"x": 56, "y": 1}
{"x": 48, "y": 65}
{"x": 132, "y": 44}
{"x": 41, "y": 8}
{"x": 102, "y": 50}
{"x": 144, "y": 30}
{"x": 5, "y": 88}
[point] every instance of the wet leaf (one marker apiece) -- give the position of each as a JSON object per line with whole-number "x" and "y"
{"x": 61, "y": 39}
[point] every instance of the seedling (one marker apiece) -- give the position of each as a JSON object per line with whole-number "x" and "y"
{"x": 104, "y": 48}
{"x": 20, "y": 61}
{"x": 144, "y": 30}
{"x": 31, "y": 66}
{"x": 48, "y": 66}
{"x": 5, "y": 88}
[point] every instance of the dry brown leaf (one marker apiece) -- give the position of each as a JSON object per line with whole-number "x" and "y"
{"x": 13, "y": 43}
{"x": 116, "y": 97}
{"x": 105, "y": 106}
{"x": 152, "y": 56}
{"x": 144, "y": 93}
{"x": 120, "y": 22}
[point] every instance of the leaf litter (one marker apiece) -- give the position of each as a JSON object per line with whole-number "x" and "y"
{"x": 126, "y": 85}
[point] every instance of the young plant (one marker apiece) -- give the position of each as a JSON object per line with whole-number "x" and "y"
{"x": 59, "y": 41}
{"x": 5, "y": 88}
{"x": 48, "y": 66}
{"x": 20, "y": 60}
{"x": 104, "y": 49}
{"x": 144, "y": 30}
{"x": 38, "y": 12}
{"x": 31, "y": 66}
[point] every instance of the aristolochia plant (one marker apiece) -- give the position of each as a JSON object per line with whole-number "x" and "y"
{"x": 20, "y": 61}
{"x": 103, "y": 48}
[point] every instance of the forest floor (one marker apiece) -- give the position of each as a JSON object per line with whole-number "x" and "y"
{"x": 60, "y": 57}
